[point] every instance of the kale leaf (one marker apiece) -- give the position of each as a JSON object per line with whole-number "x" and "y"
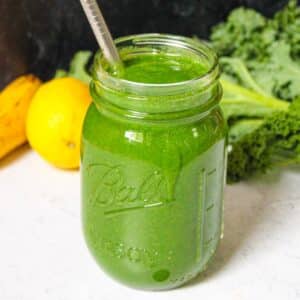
{"x": 276, "y": 141}
{"x": 260, "y": 59}
{"x": 269, "y": 48}
{"x": 78, "y": 67}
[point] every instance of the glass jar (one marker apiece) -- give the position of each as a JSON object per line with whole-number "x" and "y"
{"x": 153, "y": 169}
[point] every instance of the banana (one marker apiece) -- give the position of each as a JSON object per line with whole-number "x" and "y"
{"x": 14, "y": 103}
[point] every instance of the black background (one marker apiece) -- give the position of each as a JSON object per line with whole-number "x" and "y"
{"x": 41, "y": 35}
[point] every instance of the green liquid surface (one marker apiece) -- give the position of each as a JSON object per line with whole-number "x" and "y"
{"x": 152, "y": 193}
{"x": 162, "y": 69}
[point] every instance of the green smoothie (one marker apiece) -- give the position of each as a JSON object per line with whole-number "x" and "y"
{"x": 153, "y": 164}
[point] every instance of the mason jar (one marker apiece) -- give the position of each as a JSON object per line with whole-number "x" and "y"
{"x": 153, "y": 165}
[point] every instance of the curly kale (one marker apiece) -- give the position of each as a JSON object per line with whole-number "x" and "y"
{"x": 269, "y": 48}
{"x": 264, "y": 131}
{"x": 276, "y": 141}
{"x": 260, "y": 58}
{"x": 242, "y": 35}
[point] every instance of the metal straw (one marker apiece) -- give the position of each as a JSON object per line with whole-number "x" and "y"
{"x": 101, "y": 32}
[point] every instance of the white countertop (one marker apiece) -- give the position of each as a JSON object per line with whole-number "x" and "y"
{"x": 43, "y": 255}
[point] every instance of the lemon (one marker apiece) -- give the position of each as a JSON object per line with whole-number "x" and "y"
{"x": 54, "y": 121}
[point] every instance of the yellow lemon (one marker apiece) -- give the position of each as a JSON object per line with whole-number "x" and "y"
{"x": 54, "y": 121}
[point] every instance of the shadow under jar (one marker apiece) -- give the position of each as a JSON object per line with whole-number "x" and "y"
{"x": 153, "y": 162}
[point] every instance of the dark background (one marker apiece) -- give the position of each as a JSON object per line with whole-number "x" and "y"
{"x": 41, "y": 35}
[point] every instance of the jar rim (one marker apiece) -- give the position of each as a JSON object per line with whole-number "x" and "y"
{"x": 199, "y": 47}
